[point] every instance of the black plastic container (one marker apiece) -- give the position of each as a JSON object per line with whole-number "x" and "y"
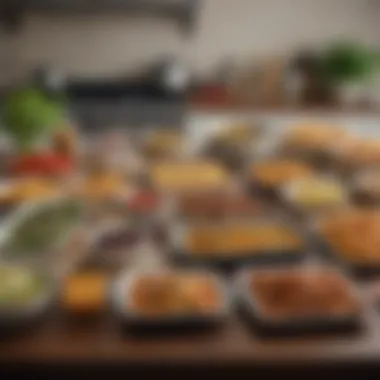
{"x": 360, "y": 270}
{"x": 135, "y": 323}
{"x": 182, "y": 256}
{"x": 285, "y": 327}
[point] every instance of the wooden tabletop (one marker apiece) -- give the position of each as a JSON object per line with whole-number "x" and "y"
{"x": 102, "y": 341}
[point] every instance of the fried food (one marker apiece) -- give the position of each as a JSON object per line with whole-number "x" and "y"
{"x": 314, "y": 136}
{"x": 189, "y": 176}
{"x": 167, "y": 294}
{"x": 303, "y": 293}
{"x": 354, "y": 234}
{"x": 360, "y": 152}
{"x": 233, "y": 240}
{"x": 277, "y": 172}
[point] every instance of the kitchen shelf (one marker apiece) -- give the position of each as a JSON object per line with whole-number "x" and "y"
{"x": 184, "y": 12}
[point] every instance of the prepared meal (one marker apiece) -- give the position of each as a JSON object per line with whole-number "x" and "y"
{"x": 113, "y": 150}
{"x": 189, "y": 176}
{"x": 359, "y": 152}
{"x": 233, "y": 146}
{"x": 313, "y": 137}
{"x": 353, "y": 235}
{"x": 315, "y": 193}
{"x": 28, "y": 189}
{"x": 101, "y": 186}
{"x": 239, "y": 239}
{"x": 166, "y": 142}
{"x": 159, "y": 295}
{"x": 302, "y": 293}
{"x": 85, "y": 293}
{"x": 39, "y": 229}
{"x": 217, "y": 205}
{"x": 275, "y": 173}
{"x": 20, "y": 287}
{"x": 113, "y": 249}
{"x": 238, "y": 133}
{"x": 182, "y": 297}
{"x": 367, "y": 184}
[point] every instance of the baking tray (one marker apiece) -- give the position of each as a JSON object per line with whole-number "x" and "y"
{"x": 134, "y": 322}
{"x": 64, "y": 254}
{"x": 182, "y": 256}
{"x": 277, "y": 327}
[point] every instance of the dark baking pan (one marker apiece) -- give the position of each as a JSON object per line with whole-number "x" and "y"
{"x": 266, "y": 326}
{"x": 229, "y": 262}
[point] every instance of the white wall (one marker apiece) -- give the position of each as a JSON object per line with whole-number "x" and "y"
{"x": 239, "y": 28}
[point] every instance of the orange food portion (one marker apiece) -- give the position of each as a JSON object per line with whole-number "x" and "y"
{"x": 277, "y": 172}
{"x": 100, "y": 186}
{"x": 361, "y": 152}
{"x": 85, "y": 293}
{"x": 33, "y": 189}
{"x": 314, "y": 136}
{"x": 185, "y": 176}
{"x": 240, "y": 239}
{"x": 163, "y": 294}
{"x": 354, "y": 234}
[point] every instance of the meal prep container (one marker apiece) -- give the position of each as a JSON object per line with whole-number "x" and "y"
{"x": 182, "y": 255}
{"x": 270, "y": 326}
{"x": 289, "y": 197}
{"x": 63, "y": 254}
{"x": 361, "y": 270}
{"x": 133, "y": 321}
{"x": 273, "y": 192}
{"x": 14, "y": 320}
{"x": 362, "y": 195}
{"x": 113, "y": 249}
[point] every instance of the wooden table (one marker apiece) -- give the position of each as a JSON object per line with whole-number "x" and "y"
{"x": 102, "y": 342}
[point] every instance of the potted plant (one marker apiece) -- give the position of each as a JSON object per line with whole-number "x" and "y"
{"x": 347, "y": 68}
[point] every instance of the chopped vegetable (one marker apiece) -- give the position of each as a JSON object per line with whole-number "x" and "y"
{"x": 39, "y": 231}
{"x": 18, "y": 286}
{"x": 41, "y": 164}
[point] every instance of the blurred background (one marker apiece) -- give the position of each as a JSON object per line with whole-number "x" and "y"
{"x": 141, "y": 139}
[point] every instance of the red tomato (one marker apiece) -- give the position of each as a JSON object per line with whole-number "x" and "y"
{"x": 41, "y": 164}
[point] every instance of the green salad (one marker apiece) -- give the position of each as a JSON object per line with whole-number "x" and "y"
{"x": 40, "y": 231}
{"x": 19, "y": 286}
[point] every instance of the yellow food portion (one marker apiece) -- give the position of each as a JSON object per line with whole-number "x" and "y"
{"x": 240, "y": 239}
{"x": 85, "y": 293}
{"x": 238, "y": 133}
{"x": 163, "y": 141}
{"x": 314, "y": 192}
{"x": 314, "y": 136}
{"x": 101, "y": 186}
{"x": 29, "y": 190}
{"x": 276, "y": 173}
{"x": 188, "y": 176}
